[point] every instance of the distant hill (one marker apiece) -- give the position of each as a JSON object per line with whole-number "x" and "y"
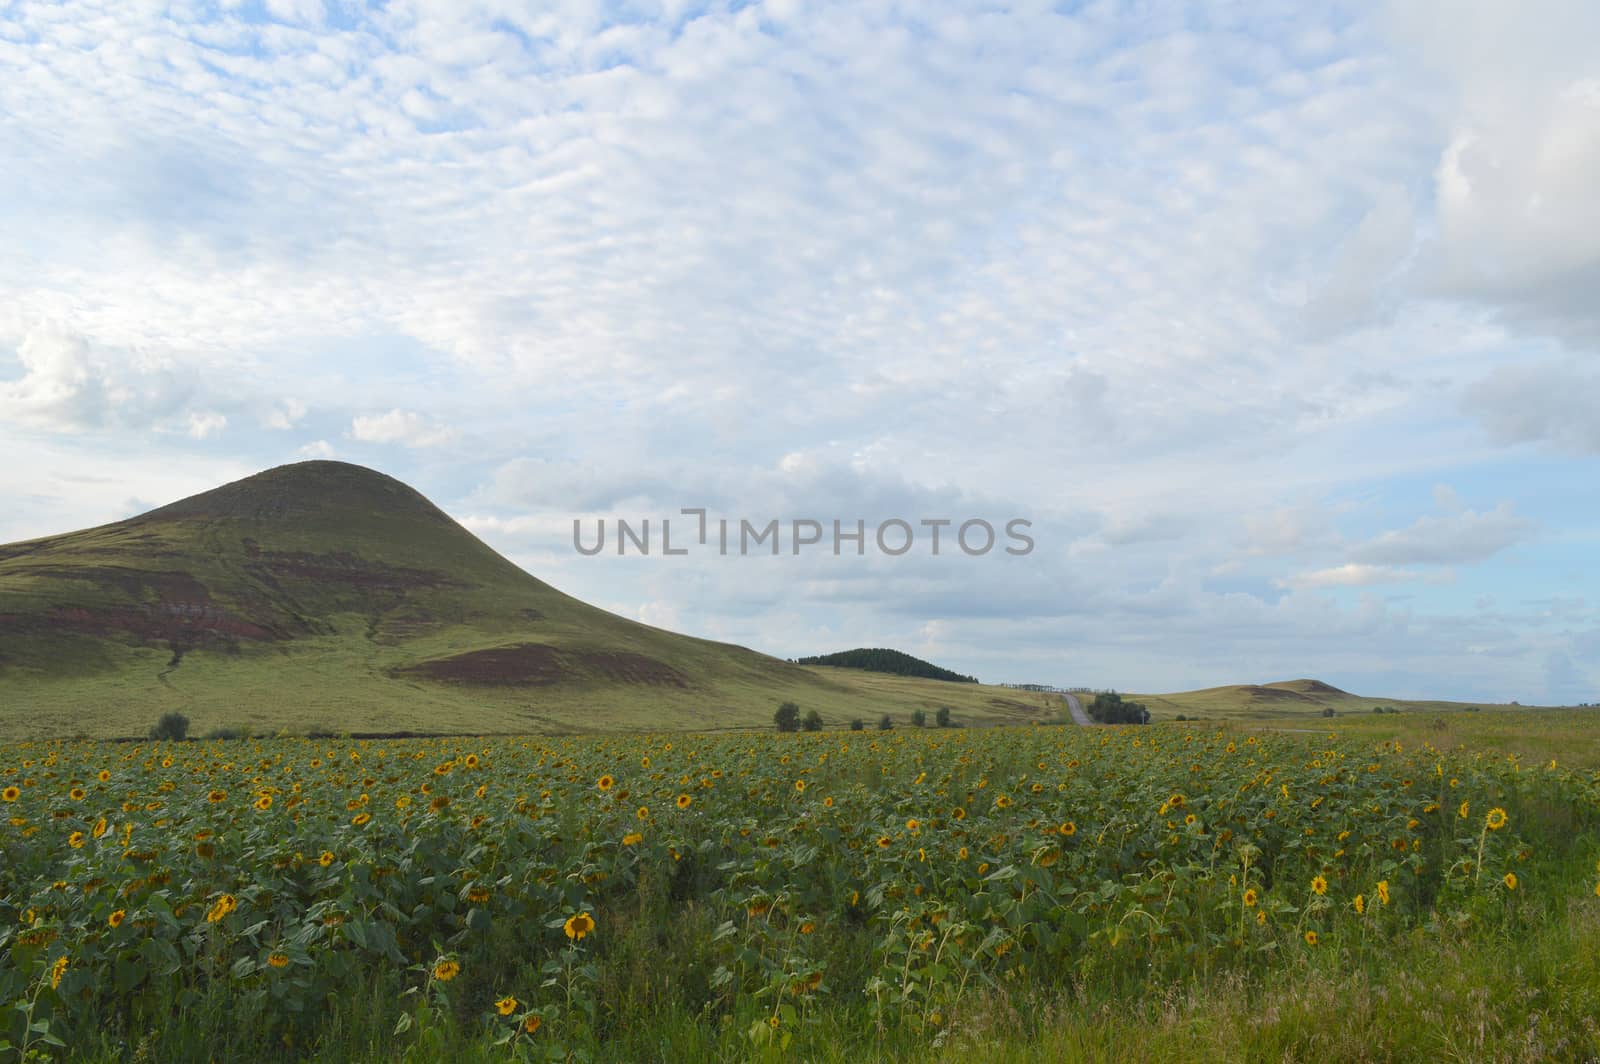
{"x": 879, "y": 659}
{"x": 1283, "y": 698}
{"x": 327, "y": 596}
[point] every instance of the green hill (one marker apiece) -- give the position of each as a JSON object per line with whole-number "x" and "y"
{"x": 895, "y": 662}
{"x": 324, "y": 595}
{"x": 1287, "y": 699}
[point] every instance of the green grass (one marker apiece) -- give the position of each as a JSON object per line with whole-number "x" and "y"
{"x": 310, "y": 596}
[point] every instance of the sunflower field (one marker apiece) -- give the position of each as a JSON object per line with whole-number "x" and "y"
{"x": 548, "y": 898}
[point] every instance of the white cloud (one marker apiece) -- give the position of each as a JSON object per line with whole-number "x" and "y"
{"x": 404, "y": 427}
{"x": 285, "y": 414}
{"x": 207, "y": 425}
{"x": 1351, "y": 574}
{"x": 1551, "y": 402}
{"x": 62, "y": 386}
{"x": 1463, "y": 536}
{"x": 316, "y": 449}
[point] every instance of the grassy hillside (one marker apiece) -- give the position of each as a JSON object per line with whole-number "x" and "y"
{"x": 879, "y": 659}
{"x": 325, "y": 595}
{"x": 1284, "y": 700}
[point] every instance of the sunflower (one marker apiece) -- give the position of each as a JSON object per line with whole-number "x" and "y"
{"x": 1261, "y": 914}
{"x": 1510, "y": 880}
{"x": 116, "y": 918}
{"x": 326, "y": 858}
{"x": 76, "y": 840}
{"x": 217, "y": 796}
{"x": 1319, "y": 885}
{"x": 605, "y": 783}
{"x": 1068, "y": 829}
{"x": 1463, "y": 811}
{"x": 1250, "y": 898}
{"x": 11, "y": 794}
{"x": 579, "y": 925}
{"x": 101, "y": 826}
{"x": 1383, "y": 891}
{"x": 531, "y": 1024}
{"x": 1360, "y": 903}
{"x": 444, "y": 971}
{"x": 1002, "y": 802}
{"x": 800, "y": 786}
{"x": 684, "y": 801}
{"x": 57, "y": 970}
{"x": 958, "y": 813}
{"x": 361, "y": 819}
{"x": 224, "y": 905}
{"x": 633, "y": 838}
{"x": 278, "y": 959}
{"x": 913, "y": 824}
{"x": 263, "y": 803}
{"x": 1496, "y": 819}
{"x": 77, "y": 794}
{"x": 104, "y": 776}
{"x": 506, "y": 1005}
{"x": 1311, "y": 938}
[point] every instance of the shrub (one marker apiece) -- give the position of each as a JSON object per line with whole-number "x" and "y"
{"x": 172, "y": 727}
{"x": 813, "y": 721}
{"x": 787, "y": 718}
{"x": 942, "y": 718}
{"x": 858, "y": 725}
{"x": 919, "y": 717}
{"x": 886, "y": 723}
{"x": 1109, "y": 708}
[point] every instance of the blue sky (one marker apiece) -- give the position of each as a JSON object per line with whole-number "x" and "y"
{"x": 1279, "y": 321}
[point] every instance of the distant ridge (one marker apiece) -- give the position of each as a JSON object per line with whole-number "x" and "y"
{"x": 882, "y": 659}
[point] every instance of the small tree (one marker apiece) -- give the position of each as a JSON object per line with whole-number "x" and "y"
{"x": 787, "y": 718}
{"x": 858, "y": 725}
{"x": 885, "y": 723}
{"x": 919, "y": 717}
{"x": 1328, "y": 712}
{"x": 942, "y": 718}
{"x": 172, "y": 727}
{"x": 813, "y": 721}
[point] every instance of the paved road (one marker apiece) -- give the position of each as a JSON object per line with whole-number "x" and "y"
{"x": 1076, "y": 709}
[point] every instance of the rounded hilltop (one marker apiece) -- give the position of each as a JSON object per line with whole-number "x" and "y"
{"x": 301, "y": 489}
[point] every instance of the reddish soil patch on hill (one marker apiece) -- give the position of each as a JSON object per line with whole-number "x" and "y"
{"x": 1274, "y": 694}
{"x": 1317, "y": 687}
{"x": 624, "y": 667}
{"x": 524, "y": 663}
{"x": 1011, "y": 705}
{"x": 534, "y": 664}
{"x": 342, "y": 569}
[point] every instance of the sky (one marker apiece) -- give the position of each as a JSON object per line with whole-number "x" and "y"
{"x": 1278, "y": 322}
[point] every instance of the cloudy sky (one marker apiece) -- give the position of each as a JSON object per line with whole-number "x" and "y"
{"x": 1279, "y": 321}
